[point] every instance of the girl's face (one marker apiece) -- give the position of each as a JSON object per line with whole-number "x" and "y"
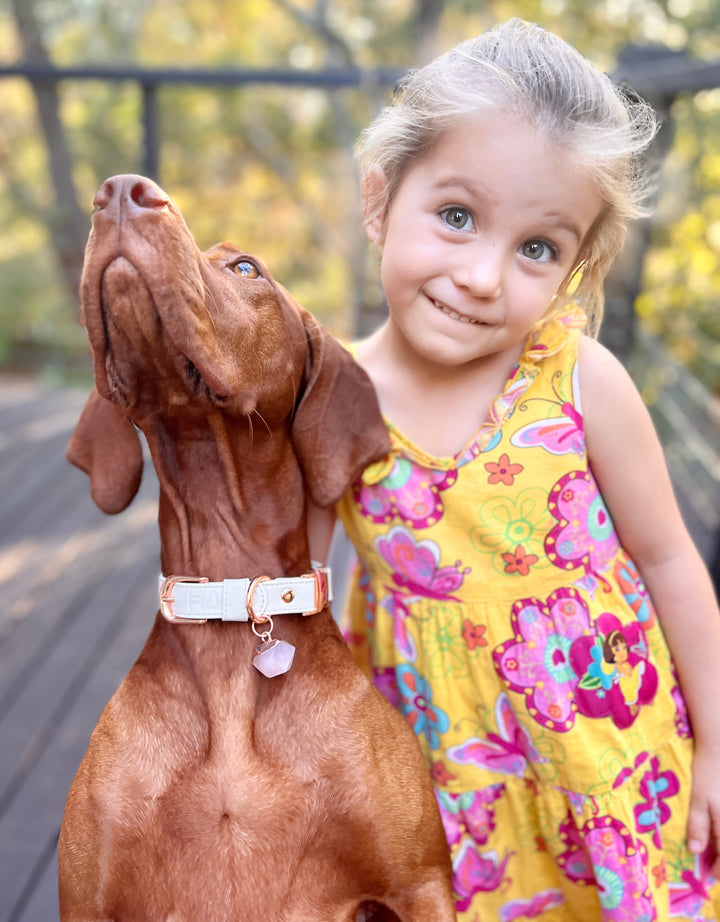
{"x": 479, "y": 236}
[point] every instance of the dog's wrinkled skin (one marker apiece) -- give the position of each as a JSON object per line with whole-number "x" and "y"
{"x": 210, "y": 792}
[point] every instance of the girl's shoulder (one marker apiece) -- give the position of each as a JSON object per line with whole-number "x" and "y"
{"x": 601, "y": 373}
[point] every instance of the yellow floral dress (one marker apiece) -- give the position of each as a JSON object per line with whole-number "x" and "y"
{"x": 495, "y": 608}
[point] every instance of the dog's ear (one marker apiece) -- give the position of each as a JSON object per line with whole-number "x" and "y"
{"x": 106, "y": 446}
{"x": 337, "y": 429}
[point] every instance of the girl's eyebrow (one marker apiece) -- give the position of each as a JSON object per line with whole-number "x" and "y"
{"x": 567, "y": 224}
{"x": 454, "y": 182}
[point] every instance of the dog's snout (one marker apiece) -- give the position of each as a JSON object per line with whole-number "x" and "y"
{"x": 130, "y": 190}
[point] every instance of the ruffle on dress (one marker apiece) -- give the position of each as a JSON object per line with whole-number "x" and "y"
{"x": 547, "y": 338}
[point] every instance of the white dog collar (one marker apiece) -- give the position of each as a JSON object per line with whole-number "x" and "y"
{"x": 195, "y": 600}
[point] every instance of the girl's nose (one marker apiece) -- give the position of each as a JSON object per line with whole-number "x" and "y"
{"x": 480, "y": 273}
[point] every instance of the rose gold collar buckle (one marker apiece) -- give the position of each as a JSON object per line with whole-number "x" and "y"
{"x": 166, "y": 599}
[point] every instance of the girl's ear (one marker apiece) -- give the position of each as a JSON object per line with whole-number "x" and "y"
{"x": 373, "y": 192}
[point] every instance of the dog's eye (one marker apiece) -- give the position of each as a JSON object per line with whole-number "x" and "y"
{"x": 246, "y": 269}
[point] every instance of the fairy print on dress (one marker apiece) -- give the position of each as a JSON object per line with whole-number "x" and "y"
{"x": 563, "y": 664}
{"x": 560, "y": 435}
{"x": 509, "y": 751}
{"x": 616, "y": 678}
{"x": 416, "y": 574}
{"x": 535, "y": 662}
{"x": 405, "y": 491}
{"x": 584, "y": 536}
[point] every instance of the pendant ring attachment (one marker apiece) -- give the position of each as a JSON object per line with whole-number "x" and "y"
{"x": 255, "y": 617}
{"x": 264, "y": 635}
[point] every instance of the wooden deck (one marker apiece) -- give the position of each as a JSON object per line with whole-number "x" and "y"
{"x": 77, "y": 598}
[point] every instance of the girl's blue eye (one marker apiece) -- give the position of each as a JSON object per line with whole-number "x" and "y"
{"x": 457, "y": 218}
{"x": 538, "y": 250}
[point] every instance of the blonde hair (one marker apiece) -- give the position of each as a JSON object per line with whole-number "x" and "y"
{"x": 520, "y": 70}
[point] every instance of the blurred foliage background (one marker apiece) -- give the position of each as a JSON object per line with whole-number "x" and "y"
{"x": 271, "y": 167}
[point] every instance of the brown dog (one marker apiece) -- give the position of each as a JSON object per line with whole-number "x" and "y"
{"x": 211, "y": 791}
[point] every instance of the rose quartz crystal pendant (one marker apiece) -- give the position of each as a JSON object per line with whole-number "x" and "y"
{"x": 273, "y": 657}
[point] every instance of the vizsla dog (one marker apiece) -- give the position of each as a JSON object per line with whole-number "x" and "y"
{"x": 232, "y": 778}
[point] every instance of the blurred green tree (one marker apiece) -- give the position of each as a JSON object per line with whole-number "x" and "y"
{"x": 271, "y": 167}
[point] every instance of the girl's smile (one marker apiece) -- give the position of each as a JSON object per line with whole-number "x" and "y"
{"x": 463, "y": 318}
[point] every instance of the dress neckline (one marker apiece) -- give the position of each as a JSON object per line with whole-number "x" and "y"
{"x": 546, "y": 339}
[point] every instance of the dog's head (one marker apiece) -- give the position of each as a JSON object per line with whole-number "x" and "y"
{"x": 176, "y": 331}
{"x": 170, "y": 325}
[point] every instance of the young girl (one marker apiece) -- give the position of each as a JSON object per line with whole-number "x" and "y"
{"x": 524, "y": 523}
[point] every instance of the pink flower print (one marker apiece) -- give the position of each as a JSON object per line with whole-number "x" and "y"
{"x": 575, "y": 860}
{"x": 656, "y": 787}
{"x": 604, "y": 853}
{"x": 416, "y": 705}
{"x": 536, "y": 661}
{"x": 616, "y": 679}
{"x": 507, "y": 752}
{"x": 585, "y": 535}
{"x": 408, "y": 492}
{"x": 474, "y": 634}
{"x": 633, "y": 588}
{"x": 469, "y": 813}
{"x": 476, "y": 872}
{"x": 502, "y": 471}
{"x": 518, "y": 561}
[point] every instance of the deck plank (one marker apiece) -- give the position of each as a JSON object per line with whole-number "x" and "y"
{"x": 78, "y": 593}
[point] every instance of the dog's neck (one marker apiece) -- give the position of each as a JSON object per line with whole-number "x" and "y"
{"x": 220, "y": 514}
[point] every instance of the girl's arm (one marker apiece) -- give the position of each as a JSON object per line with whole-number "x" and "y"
{"x": 628, "y": 464}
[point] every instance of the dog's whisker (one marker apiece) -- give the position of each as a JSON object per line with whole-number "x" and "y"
{"x": 257, "y": 413}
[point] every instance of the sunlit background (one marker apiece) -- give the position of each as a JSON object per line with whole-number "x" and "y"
{"x": 271, "y": 167}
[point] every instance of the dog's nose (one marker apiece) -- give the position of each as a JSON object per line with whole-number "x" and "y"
{"x": 129, "y": 190}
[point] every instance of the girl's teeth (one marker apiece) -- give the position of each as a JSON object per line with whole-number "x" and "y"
{"x": 454, "y": 314}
